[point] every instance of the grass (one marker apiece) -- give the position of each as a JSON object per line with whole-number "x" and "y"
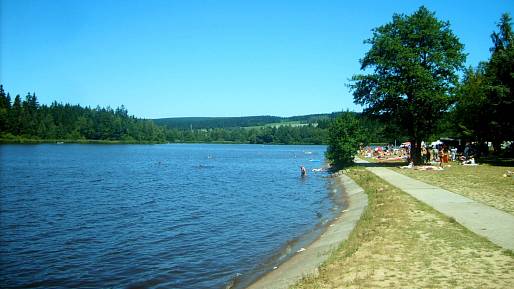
{"x": 484, "y": 183}
{"x": 402, "y": 243}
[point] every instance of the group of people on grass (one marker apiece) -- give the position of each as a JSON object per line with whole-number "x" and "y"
{"x": 438, "y": 154}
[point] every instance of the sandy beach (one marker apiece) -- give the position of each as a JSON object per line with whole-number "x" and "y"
{"x": 307, "y": 260}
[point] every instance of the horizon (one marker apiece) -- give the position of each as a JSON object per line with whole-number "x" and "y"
{"x": 208, "y": 59}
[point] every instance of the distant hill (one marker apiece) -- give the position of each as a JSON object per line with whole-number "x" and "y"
{"x": 237, "y": 122}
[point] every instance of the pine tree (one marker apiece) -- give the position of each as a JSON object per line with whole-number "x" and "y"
{"x": 500, "y": 76}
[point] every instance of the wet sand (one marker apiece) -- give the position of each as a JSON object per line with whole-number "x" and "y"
{"x": 306, "y": 262}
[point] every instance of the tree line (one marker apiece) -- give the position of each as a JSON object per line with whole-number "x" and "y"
{"x": 26, "y": 119}
{"x": 412, "y": 87}
{"x": 216, "y": 122}
{"x": 308, "y": 134}
{"x": 243, "y": 121}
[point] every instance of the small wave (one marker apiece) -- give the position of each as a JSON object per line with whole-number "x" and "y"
{"x": 234, "y": 281}
{"x": 203, "y": 167}
{"x": 77, "y": 241}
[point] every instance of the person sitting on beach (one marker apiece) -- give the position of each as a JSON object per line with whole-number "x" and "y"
{"x": 303, "y": 171}
{"x": 440, "y": 155}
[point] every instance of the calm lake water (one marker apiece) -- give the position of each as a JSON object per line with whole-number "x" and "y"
{"x": 155, "y": 216}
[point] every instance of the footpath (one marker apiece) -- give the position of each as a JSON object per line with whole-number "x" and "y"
{"x": 491, "y": 223}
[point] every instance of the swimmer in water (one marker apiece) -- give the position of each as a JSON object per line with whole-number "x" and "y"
{"x": 303, "y": 171}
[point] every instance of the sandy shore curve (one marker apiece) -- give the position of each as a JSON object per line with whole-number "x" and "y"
{"x": 306, "y": 262}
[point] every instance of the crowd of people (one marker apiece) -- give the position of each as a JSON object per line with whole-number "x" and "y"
{"x": 435, "y": 154}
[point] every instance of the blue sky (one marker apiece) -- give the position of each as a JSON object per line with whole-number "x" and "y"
{"x": 208, "y": 58}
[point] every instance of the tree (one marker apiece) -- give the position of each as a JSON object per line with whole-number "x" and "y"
{"x": 472, "y": 112}
{"x": 15, "y": 119}
{"x": 500, "y": 77}
{"x": 412, "y": 66}
{"x": 345, "y": 134}
{"x": 5, "y": 107}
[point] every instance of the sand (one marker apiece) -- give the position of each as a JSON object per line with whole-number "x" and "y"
{"x": 306, "y": 262}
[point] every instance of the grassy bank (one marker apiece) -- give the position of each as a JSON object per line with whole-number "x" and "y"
{"x": 485, "y": 183}
{"x": 402, "y": 243}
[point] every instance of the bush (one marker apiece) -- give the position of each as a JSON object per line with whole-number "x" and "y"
{"x": 345, "y": 134}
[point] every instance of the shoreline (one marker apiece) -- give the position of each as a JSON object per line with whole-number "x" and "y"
{"x": 93, "y": 141}
{"x": 306, "y": 262}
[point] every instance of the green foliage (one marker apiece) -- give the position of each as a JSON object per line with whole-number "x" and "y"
{"x": 305, "y": 129}
{"x": 500, "y": 77}
{"x": 238, "y": 122}
{"x": 485, "y": 100}
{"x": 28, "y": 119}
{"x": 412, "y": 66}
{"x": 345, "y": 135}
{"x": 262, "y": 135}
{"x": 470, "y": 115}
{"x": 5, "y": 107}
{"x": 215, "y": 122}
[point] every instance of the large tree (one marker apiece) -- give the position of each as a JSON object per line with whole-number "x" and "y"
{"x": 485, "y": 100}
{"x": 471, "y": 114}
{"x": 500, "y": 89}
{"x": 411, "y": 74}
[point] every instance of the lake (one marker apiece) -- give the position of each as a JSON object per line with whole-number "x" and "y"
{"x": 156, "y": 216}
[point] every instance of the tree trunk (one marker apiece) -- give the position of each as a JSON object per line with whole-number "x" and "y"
{"x": 415, "y": 152}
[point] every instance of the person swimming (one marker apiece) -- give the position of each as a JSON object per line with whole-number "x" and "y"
{"x": 303, "y": 171}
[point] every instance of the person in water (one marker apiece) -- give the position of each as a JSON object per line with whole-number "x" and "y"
{"x": 303, "y": 171}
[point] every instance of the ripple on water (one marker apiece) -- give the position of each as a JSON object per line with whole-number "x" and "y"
{"x": 161, "y": 216}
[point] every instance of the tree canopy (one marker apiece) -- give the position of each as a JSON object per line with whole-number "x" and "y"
{"x": 500, "y": 83}
{"x": 485, "y": 99}
{"x": 345, "y": 135}
{"x": 411, "y": 74}
{"x": 27, "y": 119}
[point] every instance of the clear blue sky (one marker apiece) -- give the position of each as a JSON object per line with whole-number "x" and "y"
{"x": 208, "y": 58}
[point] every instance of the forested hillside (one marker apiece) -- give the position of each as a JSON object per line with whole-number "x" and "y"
{"x": 244, "y": 121}
{"x": 216, "y": 122}
{"x": 27, "y": 119}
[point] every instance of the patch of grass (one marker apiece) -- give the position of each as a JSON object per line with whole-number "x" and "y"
{"x": 402, "y": 243}
{"x": 485, "y": 183}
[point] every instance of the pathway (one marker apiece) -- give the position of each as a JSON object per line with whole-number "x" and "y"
{"x": 494, "y": 224}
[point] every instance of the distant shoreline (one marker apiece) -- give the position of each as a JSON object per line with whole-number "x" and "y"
{"x": 71, "y": 141}
{"x": 92, "y": 141}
